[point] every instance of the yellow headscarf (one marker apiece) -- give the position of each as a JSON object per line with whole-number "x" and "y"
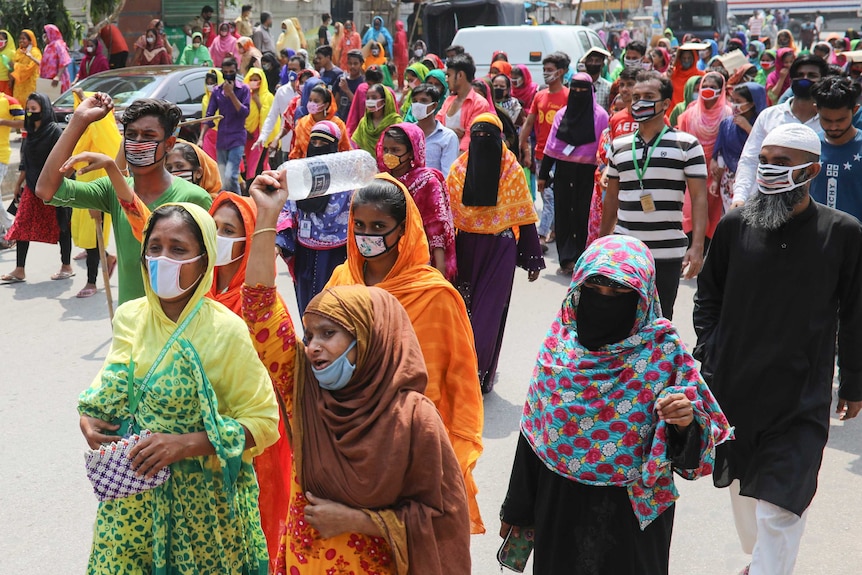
{"x": 257, "y": 115}
{"x": 7, "y": 56}
{"x": 26, "y": 71}
{"x": 206, "y": 99}
{"x": 289, "y": 38}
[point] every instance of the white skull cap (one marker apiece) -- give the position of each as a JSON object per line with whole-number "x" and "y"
{"x": 794, "y": 136}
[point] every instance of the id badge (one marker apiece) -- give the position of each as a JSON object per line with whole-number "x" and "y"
{"x": 305, "y": 229}
{"x": 647, "y": 203}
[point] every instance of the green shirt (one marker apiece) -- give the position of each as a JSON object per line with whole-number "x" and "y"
{"x": 192, "y": 57}
{"x": 100, "y": 195}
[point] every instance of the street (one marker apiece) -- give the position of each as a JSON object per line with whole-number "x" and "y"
{"x": 53, "y": 345}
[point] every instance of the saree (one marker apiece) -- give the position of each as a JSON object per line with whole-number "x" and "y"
{"x": 439, "y": 317}
{"x": 25, "y": 71}
{"x": 205, "y": 517}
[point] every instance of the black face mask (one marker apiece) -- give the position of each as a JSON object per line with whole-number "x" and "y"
{"x": 593, "y": 69}
{"x": 499, "y": 93}
{"x": 229, "y": 77}
{"x": 603, "y": 320}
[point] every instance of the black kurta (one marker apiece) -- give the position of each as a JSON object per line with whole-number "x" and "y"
{"x": 766, "y": 312}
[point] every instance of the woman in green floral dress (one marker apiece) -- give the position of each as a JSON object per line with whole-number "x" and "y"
{"x": 210, "y": 407}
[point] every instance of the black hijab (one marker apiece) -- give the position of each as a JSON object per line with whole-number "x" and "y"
{"x": 318, "y": 203}
{"x": 39, "y": 142}
{"x": 578, "y": 124}
{"x": 484, "y": 161}
{"x": 271, "y": 69}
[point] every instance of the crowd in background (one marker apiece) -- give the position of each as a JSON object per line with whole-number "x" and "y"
{"x": 644, "y": 156}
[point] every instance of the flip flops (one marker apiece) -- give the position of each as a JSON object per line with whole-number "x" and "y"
{"x": 10, "y": 279}
{"x": 63, "y": 275}
{"x": 86, "y": 292}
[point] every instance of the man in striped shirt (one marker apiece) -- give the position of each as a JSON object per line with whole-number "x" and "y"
{"x": 648, "y": 173}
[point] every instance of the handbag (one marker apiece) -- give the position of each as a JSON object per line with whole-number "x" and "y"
{"x": 109, "y": 468}
{"x": 13, "y": 207}
{"x": 516, "y": 549}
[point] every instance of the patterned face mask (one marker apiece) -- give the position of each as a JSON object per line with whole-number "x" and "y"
{"x": 141, "y": 154}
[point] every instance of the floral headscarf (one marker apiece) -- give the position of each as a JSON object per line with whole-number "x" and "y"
{"x": 589, "y": 415}
{"x": 55, "y": 57}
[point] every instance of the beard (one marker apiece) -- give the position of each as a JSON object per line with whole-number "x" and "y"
{"x": 771, "y": 211}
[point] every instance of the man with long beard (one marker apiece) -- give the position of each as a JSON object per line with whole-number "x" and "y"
{"x": 782, "y": 276}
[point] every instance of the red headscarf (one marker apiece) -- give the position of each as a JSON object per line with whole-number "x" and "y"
{"x": 527, "y": 90}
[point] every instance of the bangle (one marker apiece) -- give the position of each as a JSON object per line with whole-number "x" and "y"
{"x": 262, "y": 230}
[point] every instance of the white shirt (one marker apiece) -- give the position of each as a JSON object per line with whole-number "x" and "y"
{"x": 283, "y": 96}
{"x": 745, "y": 184}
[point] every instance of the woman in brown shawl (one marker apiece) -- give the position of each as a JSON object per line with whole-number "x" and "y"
{"x": 365, "y": 438}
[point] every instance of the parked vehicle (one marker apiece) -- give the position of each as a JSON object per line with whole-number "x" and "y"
{"x": 526, "y": 44}
{"x": 701, "y": 18}
{"x": 182, "y": 85}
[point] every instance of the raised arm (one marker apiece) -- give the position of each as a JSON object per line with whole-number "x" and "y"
{"x": 90, "y": 110}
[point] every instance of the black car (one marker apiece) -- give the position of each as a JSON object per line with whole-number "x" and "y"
{"x": 183, "y": 85}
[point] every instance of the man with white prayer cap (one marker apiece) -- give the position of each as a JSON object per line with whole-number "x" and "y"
{"x": 783, "y": 275}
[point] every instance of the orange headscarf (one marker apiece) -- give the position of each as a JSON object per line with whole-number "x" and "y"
{"x": 678, "y": 77}
{"x": 439, "y": 317}
{"x": 210, "y": 178}
{"x": 514, "y": 205}
{"x": 232, "y": 298}
{"x": 501, "y": 67}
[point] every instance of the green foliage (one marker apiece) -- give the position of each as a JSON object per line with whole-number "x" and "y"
{"x": 16, "y": 15}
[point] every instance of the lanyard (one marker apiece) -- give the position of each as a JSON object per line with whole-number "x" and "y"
{"x": 640, "y": 172}
{"x": 135, "y": 398}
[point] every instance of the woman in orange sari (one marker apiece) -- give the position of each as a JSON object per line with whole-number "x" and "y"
{"x": 26, "y": 63}
{"x": 436, "y": 311}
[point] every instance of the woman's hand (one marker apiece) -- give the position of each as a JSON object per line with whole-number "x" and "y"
{"x": 159, "y": 450}
{"x": 269, "y": 191}
{"x": 742, "y": 122}
{"x": 94, "y": 161}
{"x": 331, "y": 518}
{"x": 94, "y": 108}
{"x": 95, "y": 431}
{"x": 676, "y": 409}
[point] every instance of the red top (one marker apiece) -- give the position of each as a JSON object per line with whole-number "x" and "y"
{"x": 545, "y": 106}
{"x": 113, "y": 39}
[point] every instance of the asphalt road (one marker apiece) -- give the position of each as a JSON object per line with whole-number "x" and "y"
{"x": 53, "y": 345}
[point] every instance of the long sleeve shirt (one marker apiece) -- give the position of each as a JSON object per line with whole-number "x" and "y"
{"x": 283, "y": 97}
{"x": 231, "y": 128}
{"x": 744, "y": 185}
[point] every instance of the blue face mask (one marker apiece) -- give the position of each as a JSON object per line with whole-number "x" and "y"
{"x": 336, "y": 375}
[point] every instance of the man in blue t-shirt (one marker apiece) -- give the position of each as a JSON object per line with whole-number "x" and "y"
{"x": 839, "y": 184}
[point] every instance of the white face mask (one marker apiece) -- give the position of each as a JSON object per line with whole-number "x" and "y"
{"x": 422, "y": 111}
{"x": 633, "y": 63}
{"x": 164, "y": 275}
{"x": 772, "y": 179}
{"x": 418, "y": 53}
{"x": 224, "y": 250}
{"x": 372, "y": 105}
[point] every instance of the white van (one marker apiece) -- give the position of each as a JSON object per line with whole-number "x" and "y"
{"x": 526, "y": 45}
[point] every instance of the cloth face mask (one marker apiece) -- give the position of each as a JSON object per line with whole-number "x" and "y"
{"x": 373, "y": 245}
{"x": 772, "y": 179}
{"x": 315, "y": 108}
{"x": 372, "y": 105}
{"x": 643, "y": 110}
{"x": 708, "y": 94}
{"x": 392, "y": 161}
{"x": 422, "y": 111}
{"x": 187, "y": 175}
{"x": 633, "y": 63}
{"x": 141, "y": 154}
{"x": 165, "y": 276}
{"x": 224, "y": 250}
{"x": 337, "y": 374}
{"x": 549, "y": 77}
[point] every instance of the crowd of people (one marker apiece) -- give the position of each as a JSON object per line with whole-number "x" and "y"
{"x": 656, "y": 160}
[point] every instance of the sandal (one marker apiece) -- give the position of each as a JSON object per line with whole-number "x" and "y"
{"x": 80, "y": 256}
{"x": 565, "y": 271}
{"x": 10, "y": 279}
{"x": 87, "y": 292}
{"x": 63, "y": 275}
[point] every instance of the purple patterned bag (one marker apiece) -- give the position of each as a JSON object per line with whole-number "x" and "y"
{"x": 110, "y": 470}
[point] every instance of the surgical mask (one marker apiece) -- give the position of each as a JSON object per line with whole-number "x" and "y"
{"x": 550, "y": 76}
{"x": 372, "y": 105}
{"x": 224, "y": 250}
{"x": 254, "y": 84}
{"x": 196, "y": 45}
{"x": 418, "y": 53}
{"x": 90, "y": 49}
{"x": 373, "y": 245}
{"x": 375, "y": 52}
{"x": 164, "y": 275}
{"x": 644, "y": 110}
{"x": 413, "y": 84}
{"x": 392, "y": 161}
{"x": 708, "y": 94}
{"x": 738, "y": 109}
{"x": 337, "y": 374}
{"x": 517, "y": 82}
{"x": 231, "y": 77}
{"x": 499, "y": 93}
{"x": 801, "y": 87}
{"x": 141, "y": 154}
{"x": 633, "y": 63}
{"x": 686, "y": 63}
{"x": 150, "y": 39}
{"x": 315, "y": 107}
{"x": 210, "y": 88}
{"x": 647, "y": 66}
{"x": 422, "y": 111}
{"x": 772, "y": 179}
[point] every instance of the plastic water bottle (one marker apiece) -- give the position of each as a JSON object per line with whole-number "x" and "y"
{"x": 329, "y": 174}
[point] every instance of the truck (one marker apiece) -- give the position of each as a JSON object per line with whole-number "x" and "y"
{"x": 700, "y": 18}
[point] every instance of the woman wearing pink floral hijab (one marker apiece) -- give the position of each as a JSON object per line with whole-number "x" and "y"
{"x": 55, "y": 59}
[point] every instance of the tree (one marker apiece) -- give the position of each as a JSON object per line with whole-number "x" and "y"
{"x": 17, "y": 15}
